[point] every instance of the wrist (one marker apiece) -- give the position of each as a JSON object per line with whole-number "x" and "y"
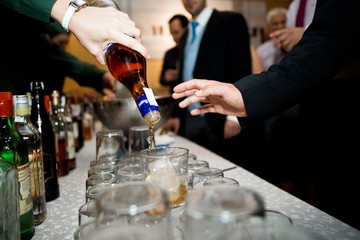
{"x": 73, "y": 7}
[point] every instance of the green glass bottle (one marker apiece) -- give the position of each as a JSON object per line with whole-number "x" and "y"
{"x": 13, "y": 150}
{"x": 31, "y": 136}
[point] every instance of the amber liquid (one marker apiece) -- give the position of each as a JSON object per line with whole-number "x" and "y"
{"x": 151, "y": 139}
{"x": 129, "y": 68}
{"x": 181, "y": 199}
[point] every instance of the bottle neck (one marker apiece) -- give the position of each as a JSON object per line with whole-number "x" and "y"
{"x": 38, "y": 105}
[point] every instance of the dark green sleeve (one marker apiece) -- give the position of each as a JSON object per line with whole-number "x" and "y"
{"x": 84, "y": 73}
{"x": 36, "y": 9}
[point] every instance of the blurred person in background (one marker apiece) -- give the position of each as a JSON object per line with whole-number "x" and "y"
{"x": 178, "y": 25}
{"x": 299, "y": 16}
{"x": 216, "y": 45}
{"x": 326, "y": 63}
{"x": 269, "y": 53}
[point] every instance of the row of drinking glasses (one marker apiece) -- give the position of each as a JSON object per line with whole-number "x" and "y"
{"x": 136, "y": 204}
{"x": 141, "y": 210}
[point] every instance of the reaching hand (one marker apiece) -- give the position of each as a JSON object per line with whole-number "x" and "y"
{"x": 223, "y": 98}
{"x": 171, "y": 125}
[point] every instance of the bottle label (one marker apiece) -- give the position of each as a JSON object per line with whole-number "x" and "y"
{"x": 70, "y": 148}
{"x": 147, "y": 103}
{"x": 37, "y": 172}
{"x": 26, "y": 203}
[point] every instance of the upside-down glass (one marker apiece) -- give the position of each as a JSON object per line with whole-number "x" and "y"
{"x": 167, "y": 167}
{"x": 132, "y": 205}
{"x": 87, "y": 212}
{"x": 129, "y": 167}
{"x": 211, "y": 212}
{"x": 138, "y": 138}
{"x": 110, "y": 144}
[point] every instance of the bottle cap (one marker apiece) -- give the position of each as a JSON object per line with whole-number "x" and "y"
{"x": 6, "y": 104}
{"x": 21, "y": 103}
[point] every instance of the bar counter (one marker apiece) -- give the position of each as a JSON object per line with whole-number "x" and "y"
{"x": 62, "y": 213}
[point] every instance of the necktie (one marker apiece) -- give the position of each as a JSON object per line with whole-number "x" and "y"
{"x": 300, "y": 14}
{"x": 194, "y": 25}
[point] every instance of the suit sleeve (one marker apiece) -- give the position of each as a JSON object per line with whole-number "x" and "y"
{"x": 327, "y": 45}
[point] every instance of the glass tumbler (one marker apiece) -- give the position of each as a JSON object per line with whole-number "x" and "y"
{"x": 212, "y": 212}
{"x": 134, "y": 205}
{"x": 167, "y": 167}
{"x": 138, "y": 138}
{"x": 110, "y": 144}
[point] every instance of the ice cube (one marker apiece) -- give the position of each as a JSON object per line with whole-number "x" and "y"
{"x": 163, "y": 163}
{"x": 168, "y": 180}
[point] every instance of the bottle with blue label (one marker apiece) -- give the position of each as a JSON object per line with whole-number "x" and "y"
{"x": 129, "y": 67}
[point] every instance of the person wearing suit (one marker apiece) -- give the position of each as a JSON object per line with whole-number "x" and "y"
{"x": 220, "y": 50}
{"x": 169, "y": 73}
{"x": 326, "y": 61}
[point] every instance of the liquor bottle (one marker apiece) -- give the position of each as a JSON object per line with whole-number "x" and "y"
{"x": 13, "y": 150}
{"x": 129, "y": 67}
{"x": 40, "y": 118}
{"x": 31, "y": 136}
{"x": 59, "y": 126}
{"x": 87, "y": 121}
{"x": 70, "y": 143}
{"x": 9, "y": 184}
{"x": 76, "y": 114}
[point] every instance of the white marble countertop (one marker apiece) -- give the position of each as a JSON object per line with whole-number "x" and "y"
{"x": 62, "y": 213}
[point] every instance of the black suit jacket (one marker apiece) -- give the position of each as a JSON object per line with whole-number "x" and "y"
{"x": 171, "y": 59}
{"x": 328, "y": 44}
{"x": 314, "y": 73}
{"x": 224, "y": 55}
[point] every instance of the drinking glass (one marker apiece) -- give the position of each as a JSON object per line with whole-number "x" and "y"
{"x": 99, "y": 179}
{"x": 129, "y": 167}
{"x": 110, "y": 144}
{"x": 87, "y": 212}
{"x": 100, "y": 168}
{"x": 211, "y": 212}
{"x": 134, "y": 205}
{"x": 138, "y": 138}
{"x": 205, "y": 173}
{"x": 264, "y": 230}
{"x": 167, "y": 167}
{"x": 220, "y": 181}
{"x": 193, "y": 165}
{"x": 93, "y": 192}
{"x": 85, "y": 231}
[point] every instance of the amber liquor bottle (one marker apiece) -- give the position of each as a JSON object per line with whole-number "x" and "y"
{"x": 70, "y": 136}
{"x": 40, "y": 118}
{"x": 13, "y": 150}
{"x": 60, "y": 130}
{"x": 31, "y": 136}
{"x": 129, "y": 67}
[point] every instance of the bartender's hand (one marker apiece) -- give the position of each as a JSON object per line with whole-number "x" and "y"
{"x": 96, "y": 27}
{"x": 287, "y": 38}
{"x": 109, "y": 83}
{"x": 171, "y": 125}
{"x": 231, "y": 129}
{"x": 223, "y": 98}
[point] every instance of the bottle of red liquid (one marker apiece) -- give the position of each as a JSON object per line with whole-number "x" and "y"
{"x": 129, "y": 67}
